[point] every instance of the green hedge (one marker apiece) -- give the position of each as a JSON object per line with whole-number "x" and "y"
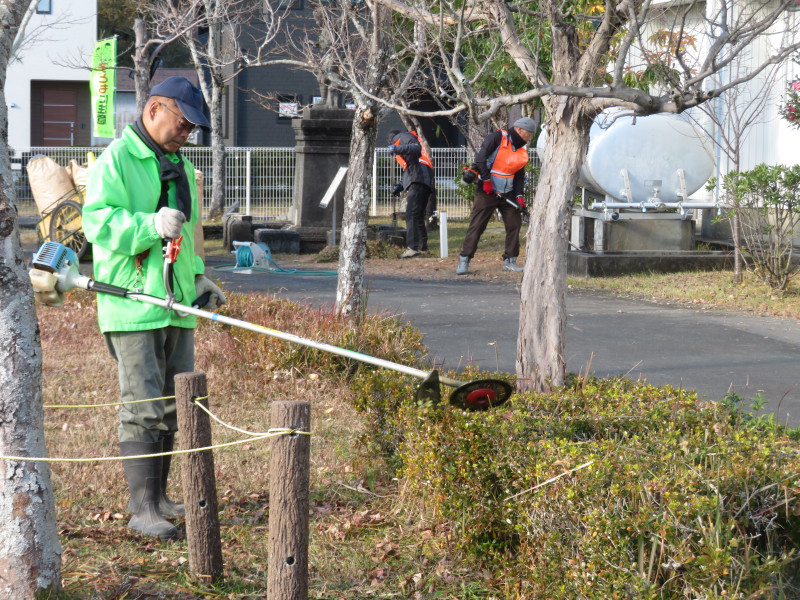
{"x": 680, "y": 498}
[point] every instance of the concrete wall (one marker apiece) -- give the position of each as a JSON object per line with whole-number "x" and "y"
{"x": 56, "y": 47}
{"x": 721, "y": 228}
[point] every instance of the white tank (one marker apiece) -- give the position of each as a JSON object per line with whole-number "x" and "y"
{"x": 653, "y": 149}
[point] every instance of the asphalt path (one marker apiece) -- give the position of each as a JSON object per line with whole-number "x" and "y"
{"x": 470, "y": 321}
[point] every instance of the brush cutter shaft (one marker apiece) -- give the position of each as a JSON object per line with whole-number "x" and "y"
{"x": 54, "y": 259}
{"x": 289, "y": 337}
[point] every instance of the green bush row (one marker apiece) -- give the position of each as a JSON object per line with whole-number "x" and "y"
{"x": 613, "y": 489}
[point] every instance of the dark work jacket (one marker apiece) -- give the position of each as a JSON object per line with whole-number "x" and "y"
{"x": 415, "y": 172}
{"x": 488, "y": 148}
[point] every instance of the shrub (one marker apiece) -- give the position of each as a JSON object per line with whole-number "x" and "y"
{"x": 611, "y": 489}
{"x": 379, "y": 335}
{"x": 767, "y": 200}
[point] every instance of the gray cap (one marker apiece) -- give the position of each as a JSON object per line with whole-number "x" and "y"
{"x": 526, "y": 123}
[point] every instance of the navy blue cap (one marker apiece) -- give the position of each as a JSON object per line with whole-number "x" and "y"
{"x": 188, "y": 98}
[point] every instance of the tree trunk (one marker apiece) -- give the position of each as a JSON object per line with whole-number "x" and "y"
{"x": 350, "y": 293}
{"x": 541, "y": 357}
{"x": 30, "y": 554}
{"x": 736, "y": 226}
{"x": 217, "y": 154}
{"x": 737, "y": 245}
{"x": 214, "y": 62}
{"x": 141, "y": 65}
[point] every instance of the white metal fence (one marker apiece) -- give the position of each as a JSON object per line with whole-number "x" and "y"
{"x": 261, "y": 179}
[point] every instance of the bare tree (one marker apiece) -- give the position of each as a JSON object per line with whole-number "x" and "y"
{"x": 376, "y": 62}
{"x": 367, "y": 51}
{"x": 30, "y": 553}
{"x": 356, "y": 49}
{"x": 579, "y": 60}
{"x": 148, "y": 46}
{"x": 728, "y": 121}
{"x": 215, "y": 43}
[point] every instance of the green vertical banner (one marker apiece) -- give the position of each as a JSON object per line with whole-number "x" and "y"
{"x": 103, "y": 85}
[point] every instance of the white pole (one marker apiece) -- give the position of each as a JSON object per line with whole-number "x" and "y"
{"x": 247, "y": 185}
{"x": 375, "y": 182}
{"x": 443, "y": 234}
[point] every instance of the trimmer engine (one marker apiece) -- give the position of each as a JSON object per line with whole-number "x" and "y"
{"x": 54, "y": 257}
{"x": 55, "y": 271}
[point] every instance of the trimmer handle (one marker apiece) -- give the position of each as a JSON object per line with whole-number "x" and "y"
{"x": 515, "y": 205}
{"x": 201, "y": 300}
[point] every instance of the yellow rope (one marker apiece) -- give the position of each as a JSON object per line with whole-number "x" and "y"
{"x": 223, "y": 423}
{"x": 271, "y": 433}
{"x": 120, "y": 403}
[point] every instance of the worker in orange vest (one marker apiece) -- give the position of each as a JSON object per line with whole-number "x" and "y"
{"x": 501, "y": 164}
{"x": 417, "y": 180}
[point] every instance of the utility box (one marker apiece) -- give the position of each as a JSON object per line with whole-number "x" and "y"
{"x": 280, "y": 241}
{"x": 236, "y": 228}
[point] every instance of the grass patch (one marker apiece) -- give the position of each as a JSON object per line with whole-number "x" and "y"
{"x": 708, "y": 289}
{"x": 375, "y": 250}
{"x": 492, "y": 241}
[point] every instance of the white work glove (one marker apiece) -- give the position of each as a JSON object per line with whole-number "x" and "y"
{"x": 203, "y": 284}
{"x": 44, "y": 288}
{"x": 169, "y": 223}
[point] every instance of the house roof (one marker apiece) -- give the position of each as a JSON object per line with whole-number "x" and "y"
{"x": 125, "y": 82}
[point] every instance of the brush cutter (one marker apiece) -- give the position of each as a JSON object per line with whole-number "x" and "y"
{"x": 524, "y": 211}
{"x": 55, "y": 271}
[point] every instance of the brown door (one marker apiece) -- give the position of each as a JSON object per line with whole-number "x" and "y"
{"x": 59, "y": 116}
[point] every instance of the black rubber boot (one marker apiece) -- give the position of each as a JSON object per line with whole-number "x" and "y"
{"x": 168, "y": 508}
{"x": 144, "y": 482}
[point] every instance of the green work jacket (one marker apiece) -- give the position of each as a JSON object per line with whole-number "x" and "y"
{"x": 122, "y": 192}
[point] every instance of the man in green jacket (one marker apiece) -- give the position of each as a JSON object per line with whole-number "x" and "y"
{"x": 141, "y": 194}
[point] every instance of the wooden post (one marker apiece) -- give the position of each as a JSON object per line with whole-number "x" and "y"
{"x": 199, "y": 483}
{"x": 288, "y": 503}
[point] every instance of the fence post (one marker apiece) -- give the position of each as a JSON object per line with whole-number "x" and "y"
{"x": 247, "y": 188}
{"x": 443, "y": 242}
{"x": 375, "y": 182}
{"x": 199, "y": 483}
{"x": 287, "y": 577}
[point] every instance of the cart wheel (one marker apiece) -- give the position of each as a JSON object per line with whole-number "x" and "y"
{"x": 65, "y": 227}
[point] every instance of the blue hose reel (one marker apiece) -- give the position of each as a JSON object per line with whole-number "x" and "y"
{"x": 251, "y": 254}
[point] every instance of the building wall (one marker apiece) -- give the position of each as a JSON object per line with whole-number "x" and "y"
{"x": 256, "y": 125}
{"x": 58, "y": 47}
{"x": 253, "y": 124}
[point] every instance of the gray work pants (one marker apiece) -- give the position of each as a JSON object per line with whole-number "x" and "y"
{"x": 147, "y": 363}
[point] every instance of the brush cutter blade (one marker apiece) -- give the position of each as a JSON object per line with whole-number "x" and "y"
{"x": 482, "y": 394}
{"x": 428, "y": 392}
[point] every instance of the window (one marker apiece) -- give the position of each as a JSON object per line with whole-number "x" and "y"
{"x": 44, "y": 7}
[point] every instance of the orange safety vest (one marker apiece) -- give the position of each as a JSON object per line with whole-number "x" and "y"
{"x": 424, "y": 159}
{"x": 507, "y": 162}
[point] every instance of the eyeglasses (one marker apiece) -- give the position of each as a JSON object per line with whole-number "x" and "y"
{"x": 184, "y": 125}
